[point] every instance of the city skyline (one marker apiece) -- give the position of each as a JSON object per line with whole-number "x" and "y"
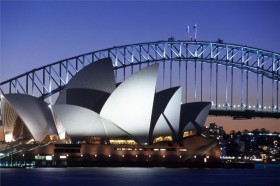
{"x": 34, "y": 34}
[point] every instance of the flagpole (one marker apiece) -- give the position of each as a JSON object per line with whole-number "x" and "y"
{"x": 195, "y": 31}
{"x": 188, "y": 32}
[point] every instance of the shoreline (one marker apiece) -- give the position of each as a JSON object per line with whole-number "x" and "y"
{"x": 199, "y": 165}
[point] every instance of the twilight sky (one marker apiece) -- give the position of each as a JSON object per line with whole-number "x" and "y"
{"x": 36, "y": 33}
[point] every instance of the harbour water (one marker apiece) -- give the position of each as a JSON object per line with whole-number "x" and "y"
{"x": 260, "y": 175}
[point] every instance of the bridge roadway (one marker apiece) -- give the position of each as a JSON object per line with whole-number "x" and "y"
{"x": 244, "y": 114}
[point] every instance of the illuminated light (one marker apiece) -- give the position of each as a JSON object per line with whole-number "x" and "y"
{"x": 162, "y": 149}
{"x": 40, "y": 157}
{"x": 207, "y": 157}
{"x": 50, "y": 106}
{"x": 257, "y": 159}
{"x": 109, "y": 155}
{"x": 23, "y": 155}
{"x": 194, "y": 156}
{"x": 62, "y": 157}
{"x": 9, "y": 137}
{"x": 189, "y": 133}
{"x": 219, "y": 105}
{"x": 163, "y": 138}
{"x": 82, "y": 155}
{"x": 149, "y": 156}
{"x": 180, "y": 156}
{"x": 95, "y": 155}
{"x": 156, "y": 149}
{"x": 123, "y": 142}
{"x": 234, "y": 106}
{"x": 53, "y": 155}
{"x": 48, "y": 158}
{"x": 136, "y": 156}
{"x": 249, "y": 106}
{"x": 205, "y": 160}
{"x": 182, "y": 150}
{"x": 123, "y": 156}
{"x": 163, "y": 156}
{"x": 223, "y": 105}
{"x": 264, "y": 107}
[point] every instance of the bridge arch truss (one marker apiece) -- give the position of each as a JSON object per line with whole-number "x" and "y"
{"x": 232, "y": 77}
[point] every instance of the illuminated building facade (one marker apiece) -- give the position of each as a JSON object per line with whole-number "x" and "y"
{"x": 99, "y": 116}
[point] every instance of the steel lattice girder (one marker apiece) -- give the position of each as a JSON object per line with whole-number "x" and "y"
{"x": 47, "y": 80}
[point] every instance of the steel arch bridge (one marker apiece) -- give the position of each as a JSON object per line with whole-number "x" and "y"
{"x": 238, "y": 80}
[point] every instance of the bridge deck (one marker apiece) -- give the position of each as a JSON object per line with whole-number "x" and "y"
{"x": 245, "y": 114}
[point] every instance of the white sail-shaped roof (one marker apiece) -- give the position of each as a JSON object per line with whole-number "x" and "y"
{"x": 87, "y": 98}
{"x": 202, "y": 116}
{"x": 80, "y": 122}
{"x": 98, "y": 75}
{"x": 161, "y": 128}
{"x": 188, "y": 127}
{"x": 34, "y": 113}
{"x": 130, "y": 105}
{"x": 166, "y": 112}
{"x": 193, "y": 115}
{"x": 172, "y": 110}
{"x": 59, "y": 126}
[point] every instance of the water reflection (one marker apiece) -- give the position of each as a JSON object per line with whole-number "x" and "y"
{"x": 141, "y": 176}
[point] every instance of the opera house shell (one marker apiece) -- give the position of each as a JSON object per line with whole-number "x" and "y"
{"x": 92, "y": 108}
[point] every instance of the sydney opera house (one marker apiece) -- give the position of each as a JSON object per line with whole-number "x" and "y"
{"x": 95, "y": 119}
